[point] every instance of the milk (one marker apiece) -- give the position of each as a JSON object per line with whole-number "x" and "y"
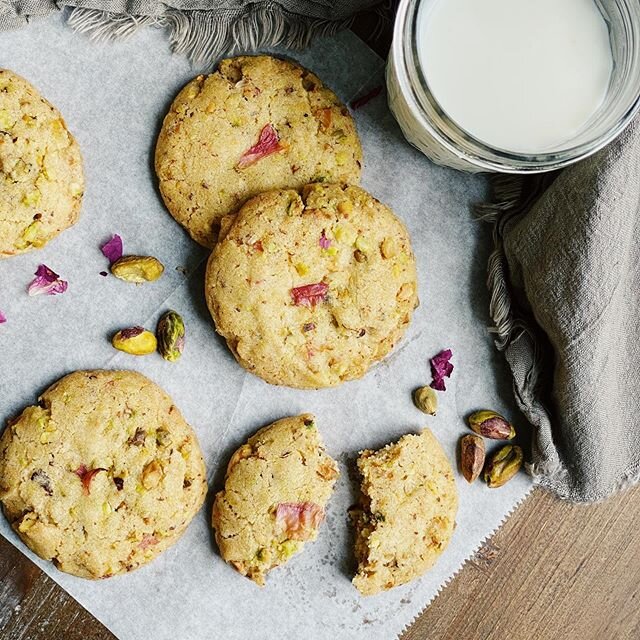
{"x": 521, "y": 75}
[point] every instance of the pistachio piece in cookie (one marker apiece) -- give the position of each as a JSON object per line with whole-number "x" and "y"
{"x": 407, "y": 512}
{"x": 311, "y": 287}
{"x": 274, "y": 498}
{"x": 102, "y": 475}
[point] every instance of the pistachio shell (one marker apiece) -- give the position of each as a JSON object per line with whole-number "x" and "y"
{"x": 503, "y": 465}
{"x": 170, "y": 333}
{"x": 491, "y": 425}
{"x": 426, "y": 399}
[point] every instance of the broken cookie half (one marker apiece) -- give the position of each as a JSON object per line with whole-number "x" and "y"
{"x": 407, "y": 512}
{"x": 274, "y": 498}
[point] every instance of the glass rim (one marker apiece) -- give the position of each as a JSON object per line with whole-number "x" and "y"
{"x": 459, "y": 141}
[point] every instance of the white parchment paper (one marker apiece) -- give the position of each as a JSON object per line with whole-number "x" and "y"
{"x": 113, "y": 97}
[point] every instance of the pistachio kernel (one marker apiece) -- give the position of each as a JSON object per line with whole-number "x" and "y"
{"x": 137, "y": 269}
{"x": 135, "y": 341}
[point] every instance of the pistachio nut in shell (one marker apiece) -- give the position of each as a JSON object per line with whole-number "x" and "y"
{"x": 170, "y": 334}
{"x": 426, "y": 399}
{"x": 503, "y": 465}
{"x": 472, "y": 456}
{"x": 492, "y": 425}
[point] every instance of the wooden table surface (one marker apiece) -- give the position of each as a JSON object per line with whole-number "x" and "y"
{"x": 554, "y": 571}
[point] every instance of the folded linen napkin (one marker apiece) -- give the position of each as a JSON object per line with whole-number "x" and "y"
{"x": 201, "y": 29}
{"x": 565, "y": 282}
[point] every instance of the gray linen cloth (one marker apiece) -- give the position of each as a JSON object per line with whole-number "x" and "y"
{"x": 201, "y": 29}
{"x": 565, "y": 281}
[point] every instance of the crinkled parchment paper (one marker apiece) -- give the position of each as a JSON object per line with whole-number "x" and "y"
{"x": 113, "y": 97}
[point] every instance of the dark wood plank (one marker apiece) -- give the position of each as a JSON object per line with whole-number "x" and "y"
{"x": 34, "y": 607}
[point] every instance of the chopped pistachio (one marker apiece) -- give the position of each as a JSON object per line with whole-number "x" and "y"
{"x": 332, "y": 251}
{"x": 389, "y": 248}
{"x": 362, "y": 244}
{"x": 345, "y": 233}
{"x": 302, "y": 269}
{"x": 31, "y": 198}
{"x": 345, "y": 207}
{"x": 341, "y": 158}
{"x": 6, "y": 121}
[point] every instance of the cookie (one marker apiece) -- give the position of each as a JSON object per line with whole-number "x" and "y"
{"x": 310, "y": 288}
{"x": 275, "y": 493}
{"x": 257, "y": 124}
{"x": 407, "y": 513}
{"x": 102, "y": 475}
{"x": 41, "y": 178}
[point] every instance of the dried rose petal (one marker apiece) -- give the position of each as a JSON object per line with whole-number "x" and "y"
{"x": 86, "y": 476}
{"x": 104, "y": 274}
{"x": 46, "y": 281}
{"x": 3, "y": 318}
{"x": 112, "y": 249}
{"x": 309, "y": 295}
{"x": 441, "y": 368}
{"x": 298, "y": 520}
{"x": 268, "y": 143}
{"x": 119, "y": 482}
{"x": 308, "y": 326}
{"x": 148, "y": 541}
{"x": 367, "y": 97}
{"x": 324, "y": 242}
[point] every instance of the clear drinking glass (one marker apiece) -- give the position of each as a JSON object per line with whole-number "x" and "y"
{"x": 427, "y": 127}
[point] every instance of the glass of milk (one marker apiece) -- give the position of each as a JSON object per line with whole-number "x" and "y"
{"x": 514, "y": 86}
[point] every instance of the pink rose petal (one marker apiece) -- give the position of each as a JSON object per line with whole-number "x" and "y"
{"x": 46, "y": 281}
{"x": 148, "y": 541}
{"x": 112, "y": 249}
{"x": 324, "y": 242}
{"x": 441, "y": 368}
{"x": 299, "y": 520}
{"x": 309, "y": 295}
{"x": 268, "y": 143}
{"x": 3, "y": 318}
{"x": 86, "y": 476}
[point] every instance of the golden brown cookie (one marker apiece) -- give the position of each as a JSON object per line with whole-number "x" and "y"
{"x": 102, "y": 475}
{"x": 41, "y": 178}
{"x": 309, "y": 289}
{"x": 258, "y": 123}
{"x": 276, "y": 489}
{"x": 407, "y": 513}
